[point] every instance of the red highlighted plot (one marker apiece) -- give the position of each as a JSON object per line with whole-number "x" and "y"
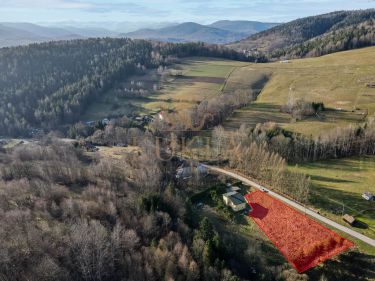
{"x": 304, "y": 242}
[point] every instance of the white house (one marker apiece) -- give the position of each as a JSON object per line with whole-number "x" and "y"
{"x": 235, "y": 200}
{"x": 368, "y": 196}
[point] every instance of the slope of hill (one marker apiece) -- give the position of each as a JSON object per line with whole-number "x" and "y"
{"x": 51, "y": 84}
{"x": 187, "y": 32}
{"x": 245, "y": 27}
{"x": 340, "y": 30}
{"x": 341, "y": 81}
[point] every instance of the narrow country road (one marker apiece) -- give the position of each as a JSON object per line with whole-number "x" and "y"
{"x": 295, "y": 205}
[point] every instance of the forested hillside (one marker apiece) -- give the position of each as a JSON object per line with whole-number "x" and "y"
{"x": 347, "y": 38}
{"x": 313, "y": 36}
{"x": 45, "y": 85}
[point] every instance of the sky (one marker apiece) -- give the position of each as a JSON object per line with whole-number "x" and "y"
{"x": 202, "y": 11}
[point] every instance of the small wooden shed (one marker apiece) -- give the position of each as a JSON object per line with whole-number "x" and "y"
{"x": 349, "y": 219}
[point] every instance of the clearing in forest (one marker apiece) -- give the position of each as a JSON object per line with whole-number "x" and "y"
{"x": 304, "y": 242}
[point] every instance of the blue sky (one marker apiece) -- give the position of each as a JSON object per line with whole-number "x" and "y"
{"x": 203, "y": 11}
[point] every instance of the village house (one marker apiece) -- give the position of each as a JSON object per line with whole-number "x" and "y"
{"x": 235, "y": 200}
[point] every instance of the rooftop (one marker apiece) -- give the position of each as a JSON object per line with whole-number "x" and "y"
{"x": 235, "y": 197}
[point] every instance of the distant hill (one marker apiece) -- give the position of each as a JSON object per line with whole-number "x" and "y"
{"x": 41, "y": 31}
{"x": 314, "y": 36}
{"x": 245, "y": 27}
{"x": 14, "y": 34}
{"x": 220, "y": 32}
{"x": 91, "y": 32}
{"x": 187, "y": 32}
{"x": 10, "y": 33}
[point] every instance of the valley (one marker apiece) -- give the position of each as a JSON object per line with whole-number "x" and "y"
{"x": 188, "y": 148}
{"x": 339, "y": 81}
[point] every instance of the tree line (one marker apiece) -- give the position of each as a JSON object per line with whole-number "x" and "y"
{"x": 345, "y": 141}
{"x": 257, "y": 161}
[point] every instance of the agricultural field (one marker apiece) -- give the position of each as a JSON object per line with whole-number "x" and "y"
{"x": 196, "y": 79}
{"x": 304, "y": 242}
{"x": 199, "y": 79}
{"x": 337, "y": 186}
{"x": 338, "y": 80}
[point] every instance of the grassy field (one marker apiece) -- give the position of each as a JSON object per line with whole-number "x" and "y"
{"x": 338, "y": 80}
{"x": 337, "y": 186}
{"x": 202, "y": 78}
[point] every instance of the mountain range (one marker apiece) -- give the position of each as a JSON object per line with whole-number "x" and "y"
{"x": 220, "y": 32}
{"x": 13, "y": 34}
{"x": 310, "y": 36}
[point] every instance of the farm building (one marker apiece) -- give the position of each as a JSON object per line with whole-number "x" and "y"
{"x": 235, "y": 200}
{"x": 349, "y": 219}
{"x": 368, "y": 196}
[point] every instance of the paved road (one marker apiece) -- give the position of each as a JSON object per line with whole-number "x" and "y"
{"x": 297, "y": 206}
